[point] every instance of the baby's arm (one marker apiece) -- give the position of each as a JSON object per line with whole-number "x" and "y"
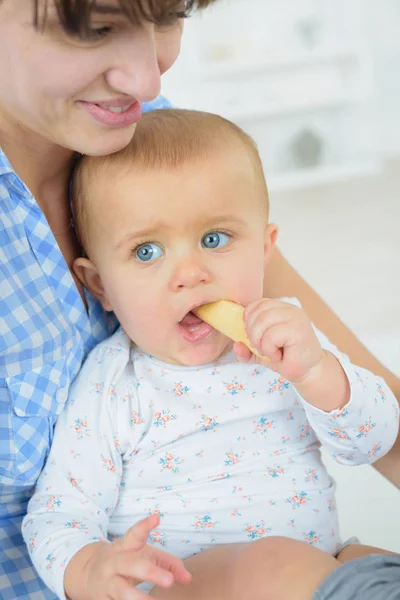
{"x": 352, "y": 411}
{"x": 68, "y": 516}
{"x": 366, "y": 427}
{"x": 78, "y": 488}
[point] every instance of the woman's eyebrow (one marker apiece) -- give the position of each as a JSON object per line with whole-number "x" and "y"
{"x": 106, "y": 9}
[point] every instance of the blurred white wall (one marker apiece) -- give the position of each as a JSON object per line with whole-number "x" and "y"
{"x": 317, "y": 84}
{"x": 314, "y": 81}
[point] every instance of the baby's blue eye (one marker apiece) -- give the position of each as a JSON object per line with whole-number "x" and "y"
{"x": 148, "y": 252}
{"x": 215, "y": 239}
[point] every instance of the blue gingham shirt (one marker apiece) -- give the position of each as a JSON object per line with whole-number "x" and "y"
{"x": 45, "y": 333}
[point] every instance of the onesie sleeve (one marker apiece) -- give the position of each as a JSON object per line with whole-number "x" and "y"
{"x": 79, "y": 486}
{"x": 366, "y": 428}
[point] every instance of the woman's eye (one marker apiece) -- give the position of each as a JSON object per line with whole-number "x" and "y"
{"x": 148, "y": 252}
{"x": 96, "y": 33}
{"x": 215, "y": 239}
{"x": 172, "y": 18}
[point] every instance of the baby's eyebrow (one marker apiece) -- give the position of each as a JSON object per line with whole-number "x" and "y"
{"x": 134, "y": 235}
{"x": 163, "y": 226}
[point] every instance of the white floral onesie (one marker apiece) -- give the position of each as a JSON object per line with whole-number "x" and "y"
{"x": 225, "y": 453}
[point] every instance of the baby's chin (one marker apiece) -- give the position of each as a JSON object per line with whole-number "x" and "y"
{"x": 198, "y": 355}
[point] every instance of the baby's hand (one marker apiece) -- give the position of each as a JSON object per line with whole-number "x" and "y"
{"x": 111, "y": 571}
{"x": 283, "y": 333}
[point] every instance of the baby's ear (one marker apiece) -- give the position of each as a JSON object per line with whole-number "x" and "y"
{"x": 88, "y": 275}
{"x": 271, "y": 234}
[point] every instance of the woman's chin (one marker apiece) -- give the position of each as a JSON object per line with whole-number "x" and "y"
{"x": 103, "y": 143}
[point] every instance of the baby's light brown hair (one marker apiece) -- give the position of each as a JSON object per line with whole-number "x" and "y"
{"x": 164, "y": 139}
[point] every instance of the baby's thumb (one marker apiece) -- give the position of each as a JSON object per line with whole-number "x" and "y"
{"x": 247, "y": 356}
{"x": 242, "y": 352}
{"x": 137, "y": 536}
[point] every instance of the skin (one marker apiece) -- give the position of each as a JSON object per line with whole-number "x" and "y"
{"x": 39, "y": 132}
{"x": 150, "y": 298}
{"x": 282, "y": 281}
{"x": 38, "y": 143}
{"x": 267, "y": 569}
{"x": 102, "y": 571}
{"x": 60, "y": 71}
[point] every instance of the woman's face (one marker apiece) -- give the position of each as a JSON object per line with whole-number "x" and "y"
{"x": 82, "y": 95}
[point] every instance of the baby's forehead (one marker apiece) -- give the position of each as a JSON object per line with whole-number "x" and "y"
{"x": 106, "y": 182}
{"x": 194, "y": 187}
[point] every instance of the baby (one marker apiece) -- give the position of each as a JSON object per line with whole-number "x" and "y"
{"x": 169, "y": 418}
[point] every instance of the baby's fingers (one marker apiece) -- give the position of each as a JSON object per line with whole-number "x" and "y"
{"x": 242, "y": 352}
{"x": 262, "y": 319}
{"x": 262, "y": 304}
{"x": 246, "y": 356}
{"x": 267, "y": 346}
{"x": 171, "y": 563}
{"x": 123, "y": 589}
{"x": 133, "y": 566}
{"x": 137, "y": 536}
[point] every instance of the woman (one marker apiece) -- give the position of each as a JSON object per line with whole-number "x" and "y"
{"x": 73, "y": 79}
{"x": 70, "y": 81}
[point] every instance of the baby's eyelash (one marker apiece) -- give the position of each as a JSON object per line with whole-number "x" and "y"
{"x": 141, "y": 243}
{"x": 224, "y": 231}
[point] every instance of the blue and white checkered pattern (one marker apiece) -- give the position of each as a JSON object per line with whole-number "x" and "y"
{"x": 45, "y": 333}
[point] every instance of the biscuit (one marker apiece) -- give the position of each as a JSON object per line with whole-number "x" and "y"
{"x": 227, "y": 318}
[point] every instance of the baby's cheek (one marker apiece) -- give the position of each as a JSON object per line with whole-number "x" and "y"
{"x": 249, "y": 286}
{"x": 148, "y": 325}
{"x": 249, "y": 275}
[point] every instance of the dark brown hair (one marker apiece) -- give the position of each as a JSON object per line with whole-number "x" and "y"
{"x": 75, "y": 15}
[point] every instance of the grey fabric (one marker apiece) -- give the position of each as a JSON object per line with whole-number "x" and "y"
{"x": 373, "y": 577}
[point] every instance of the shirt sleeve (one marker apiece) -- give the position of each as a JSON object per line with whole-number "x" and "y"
{"x": 366, "y": 428}
{"x": 78, "y": 489}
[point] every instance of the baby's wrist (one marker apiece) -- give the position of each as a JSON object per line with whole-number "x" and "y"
{"x": 77, "y": 572}
{"x": 326, "y": 385}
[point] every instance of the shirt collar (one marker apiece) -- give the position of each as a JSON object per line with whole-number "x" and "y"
{"x": 5, "y": 166}
{"x": 15, "y": 181}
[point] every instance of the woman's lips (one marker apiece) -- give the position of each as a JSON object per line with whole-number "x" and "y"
{"x": 114, "y": 114}
{"x": 193, "y": 329}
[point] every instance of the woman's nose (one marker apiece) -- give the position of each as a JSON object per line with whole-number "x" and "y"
{"x": 136, "y": 70}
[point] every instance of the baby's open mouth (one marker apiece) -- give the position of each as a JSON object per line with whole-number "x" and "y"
{"x": 193, "y": 329}
{"x": 190, "y": 319}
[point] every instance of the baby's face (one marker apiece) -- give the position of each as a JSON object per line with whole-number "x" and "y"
{"x": 170, "y": 240}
